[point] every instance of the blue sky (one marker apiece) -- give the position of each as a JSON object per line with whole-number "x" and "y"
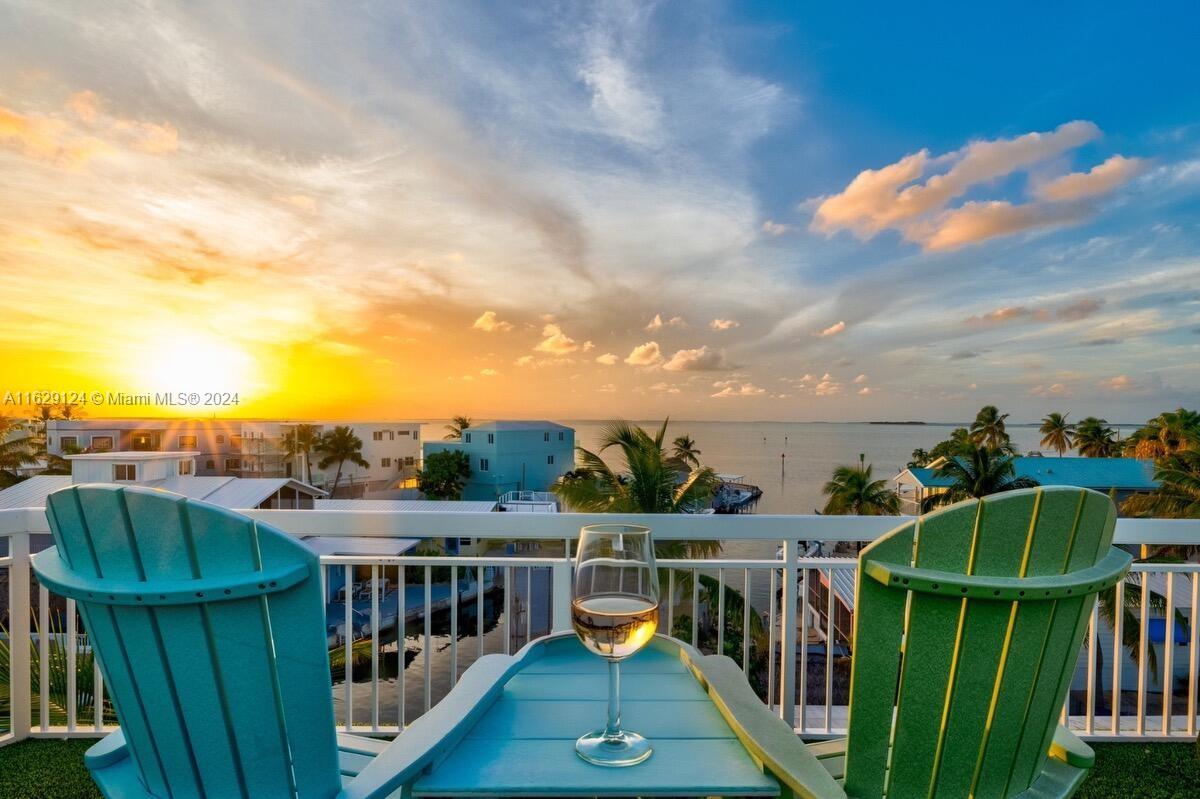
{"x": 744, "y": 211}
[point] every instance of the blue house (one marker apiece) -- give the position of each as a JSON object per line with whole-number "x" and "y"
{"x": 511, "y": 456}
{"x": 1125, "y": 476}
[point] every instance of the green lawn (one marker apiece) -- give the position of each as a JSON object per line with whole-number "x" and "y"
{"x": 54, "y": 770}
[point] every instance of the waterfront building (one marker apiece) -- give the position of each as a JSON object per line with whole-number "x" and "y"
{"x": 171, "y": 471}
{"x": 1123, "y": 476}
{"x": 250, "y": 448}
{"x": 512, "y": 456}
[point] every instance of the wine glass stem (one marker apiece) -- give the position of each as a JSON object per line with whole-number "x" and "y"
{"x": 613, "y": 726}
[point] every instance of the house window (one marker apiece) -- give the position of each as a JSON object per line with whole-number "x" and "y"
{"x": 377, "y": 435}
{"x": 391, "y": 435}
{"x": 483, "y": 464}
{"x": 545, "y": 436}
{"x": 187, "y": 442}
{"x": 416, "y": 434}
{"x": 491, "y": 438}
{"x": 235, "y": 441}
{"x": 69, "y": 442}
{"x": 124, "y": 472}
{"x": 403, "y": 432}
{"x": 550, "y": 460}
{"x": 560, "y": 436}
{"x": 185, "y": 467}
{"x": 467, "y": 437}
{"x": 409, "y": 460}
{"x": 210, "y": 465}
{"x": 385, "y": 462}
{"x": 233, "y": 464}
{"x": 220, "y": 438}
{"x": 102, "y": 443}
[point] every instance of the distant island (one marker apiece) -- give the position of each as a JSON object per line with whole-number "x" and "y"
{"x": 897, "y": 422}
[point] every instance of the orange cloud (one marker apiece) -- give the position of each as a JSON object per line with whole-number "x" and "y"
{"x": 556, "y": 342}
{"x": 832, "y": 330}
{"x": 891, "y": 198}
{"x": 63, "y": 142}
{"x": 1101, "y": 179}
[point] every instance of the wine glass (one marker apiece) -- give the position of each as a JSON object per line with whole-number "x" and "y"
{"x": 615, "y": 613}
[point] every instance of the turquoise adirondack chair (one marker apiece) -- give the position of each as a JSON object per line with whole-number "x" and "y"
{"x": 209, "y": 631}
{"x": 967, "y": 628}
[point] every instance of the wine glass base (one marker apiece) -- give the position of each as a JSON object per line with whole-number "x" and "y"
{"x": 623, "y": 749}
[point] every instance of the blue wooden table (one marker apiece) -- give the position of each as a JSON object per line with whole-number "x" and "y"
{"x": 523, "y": 742}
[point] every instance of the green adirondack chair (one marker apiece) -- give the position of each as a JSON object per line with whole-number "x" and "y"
{"x": 209, "y": 631}
{"x": 967, "y": 628}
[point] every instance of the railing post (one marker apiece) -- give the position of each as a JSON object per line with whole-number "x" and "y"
{"x": 19, "y": 641}
{"x": 787, "y": 637}
{"x": 560, "y": 574}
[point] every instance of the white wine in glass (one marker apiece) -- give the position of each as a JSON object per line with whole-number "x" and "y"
{"x": 615, "y": 613}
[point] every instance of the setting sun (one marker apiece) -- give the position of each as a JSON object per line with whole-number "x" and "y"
{"x": 197, "y": 362}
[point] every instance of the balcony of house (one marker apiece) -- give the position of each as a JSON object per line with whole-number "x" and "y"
{"x": 778, "y": 598}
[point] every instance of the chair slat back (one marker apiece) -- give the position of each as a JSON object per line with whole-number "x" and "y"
{"x": 954, "y": 696}
{"x": 223, "y": 696}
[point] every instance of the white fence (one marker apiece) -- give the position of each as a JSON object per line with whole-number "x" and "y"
{"x": 405, "y": 624}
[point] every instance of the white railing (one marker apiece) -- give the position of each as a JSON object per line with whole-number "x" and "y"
{"x": 408, "y": 640}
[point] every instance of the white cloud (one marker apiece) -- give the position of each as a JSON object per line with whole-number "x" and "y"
{"x": 524, "y": 360}
{"x": 647, "y": 354}
{"x": 488, "y": 323}
{"x": 701, "y": 359}
{"x": 657, "y": 322}
{"x": 608, "y": 358}
{"x": 732, "y": 388}
{"x": 860, "y": 379}
{"x": 832, "y": 330}
{"x": 864, "y": 391}
{"x": 1120, "y": 383}
{"x": 556, "y": 342}
{"x": 724, "y": 324}
{"x": 773, "y": 228}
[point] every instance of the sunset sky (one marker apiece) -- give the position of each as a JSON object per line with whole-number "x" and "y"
{"x": 764, "y": 211}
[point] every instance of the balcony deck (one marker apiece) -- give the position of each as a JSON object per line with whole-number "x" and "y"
{"x": 396, "y": 677}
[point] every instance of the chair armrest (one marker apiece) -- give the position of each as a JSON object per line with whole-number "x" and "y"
{"x": 108, "y": 750}
{"x": 766, "y": 737}
{"x": 436, "y": 732}
{"x": 1070, "y": 749}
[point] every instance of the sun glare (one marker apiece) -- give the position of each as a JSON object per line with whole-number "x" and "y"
{"x": 197, "y": 363}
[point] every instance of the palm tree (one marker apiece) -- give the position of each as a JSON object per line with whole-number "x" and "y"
{"x": 1094, "y": 438}
{"x": 988, "y": 428}
{"x": 684, "y": 450}
{"x": 852, "y": 492}
{"x": 1178, "y": 492}
{"x": 651, "y": 482}
{"x": 456, "y": 427}
{"x": 919, "y": 457}
{"x": 302, "y": 440}
{"x": 1056, "y": 432}
{"x": 978, "y": 473}
{"x": 1165, "y": 434}
{"x": 16, "y": 449}
{"x": 338, "y": 446}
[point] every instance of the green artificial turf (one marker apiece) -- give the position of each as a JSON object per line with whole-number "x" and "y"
{"x": 48, "y": 769}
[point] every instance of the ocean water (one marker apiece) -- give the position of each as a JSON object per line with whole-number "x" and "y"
{"x": 790, "y": 462}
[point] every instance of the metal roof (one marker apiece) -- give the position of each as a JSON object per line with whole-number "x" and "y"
{"x": 407, "y": 505}
{"x": 1100, "y": 474}
{"x": 32, "y": 493}
{"x": 228, "y": 492}
{"x": 517, "y": 424}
